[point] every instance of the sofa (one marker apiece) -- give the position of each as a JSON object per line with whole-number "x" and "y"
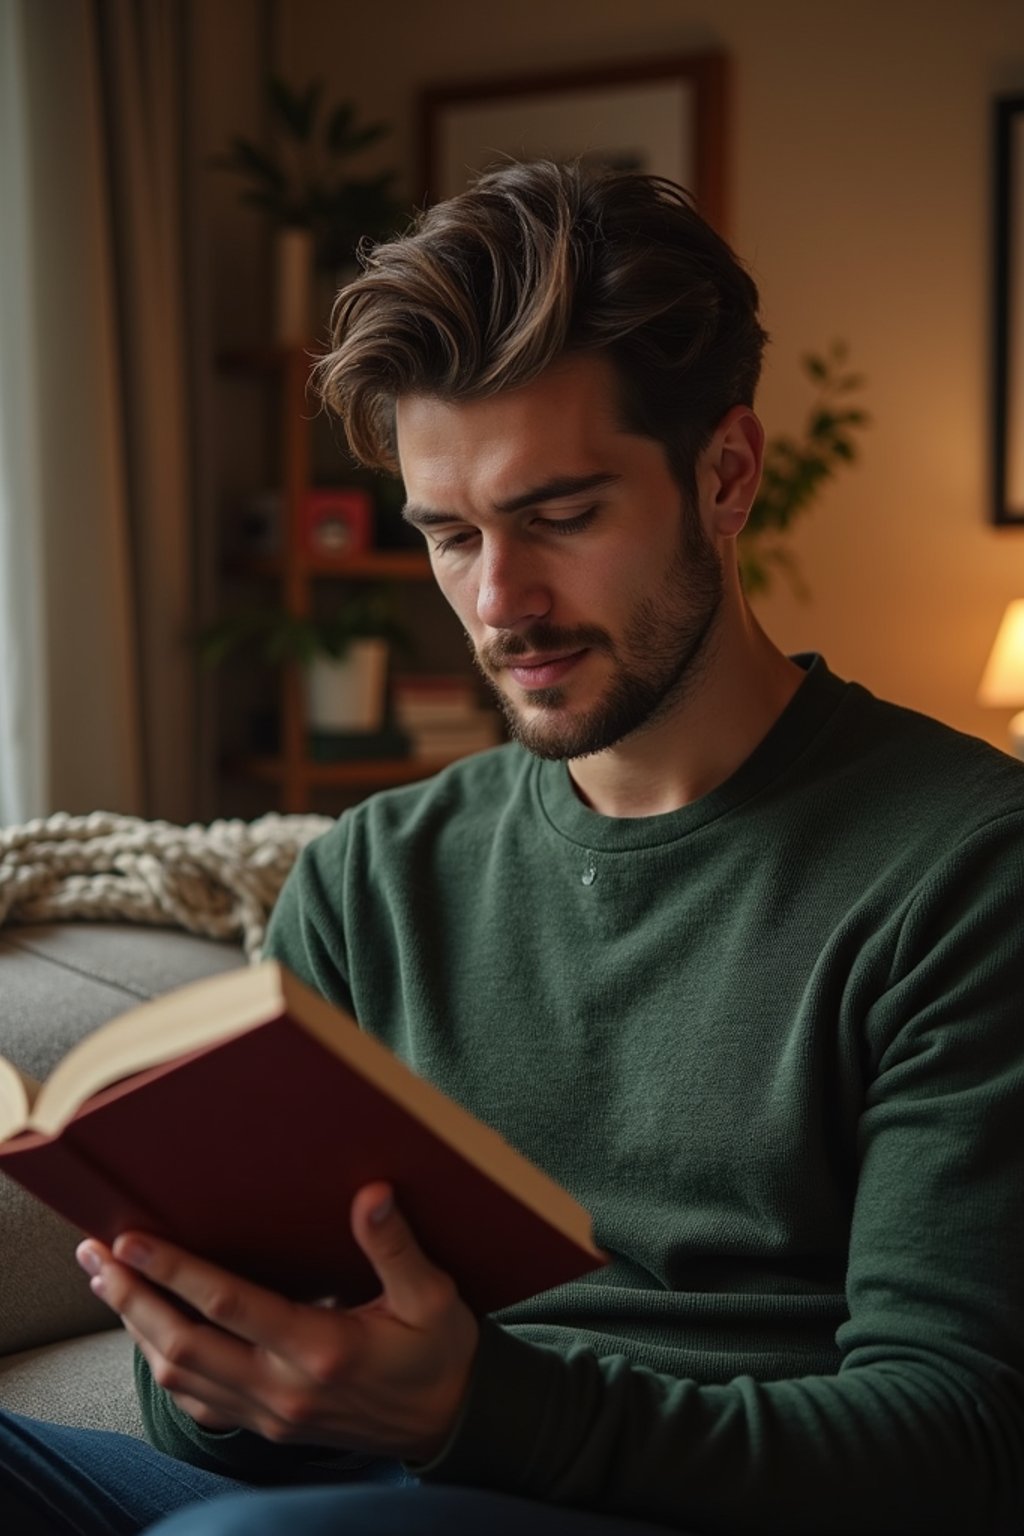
{"x": 63, "y": 1356}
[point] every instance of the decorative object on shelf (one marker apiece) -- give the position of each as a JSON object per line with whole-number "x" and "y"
{"x": 1002, "y": 683}
{"x": 320, "y": 210}
{"x": 1008, "y": 479}
{"x": 796, "y": 469}
{"x": 337, "y": 521}
{"x": 345, "y": 654}
{"x": 664, "y": 116}
{"x": 367, "y": 614}
{"x": 351, "y": 694}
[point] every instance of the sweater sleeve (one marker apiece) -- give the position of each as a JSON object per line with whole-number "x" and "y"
{"x": 233, "y": 1453}
{"x": 921, "y": 1429}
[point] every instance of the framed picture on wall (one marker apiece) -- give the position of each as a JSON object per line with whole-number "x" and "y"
{"x": 1009, "y": 312}
{"x": 666, "y": 117}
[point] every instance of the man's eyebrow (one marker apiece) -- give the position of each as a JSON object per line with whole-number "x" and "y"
{"x": 555, "y": 489}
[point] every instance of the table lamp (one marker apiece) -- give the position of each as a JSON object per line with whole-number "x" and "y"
{"x": 1002, "y": 684}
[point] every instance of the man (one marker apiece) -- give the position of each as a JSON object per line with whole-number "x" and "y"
{"x": 728, "y": 945}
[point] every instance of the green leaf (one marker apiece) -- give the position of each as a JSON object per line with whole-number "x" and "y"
{"x": 284, "y": 637}
{"x": 756, "y": 560}
{"x": 343, "y": 138}
{"x": 340, "y": 210}
{"x": 296, "y": 110}
{"x": 795, "y": 470}
{"x": 338, "y": 124}
{"x": 248, "y": 159}
{"x": 753, "y": 575}
{"x": 362, "y": 138}
{"x": 311, "y": 108}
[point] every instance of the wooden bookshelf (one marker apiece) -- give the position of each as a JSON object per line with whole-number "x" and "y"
{"x": 298, "y": 576}
{"x": 371, "y": 565}
{"x": 381, "y": 773}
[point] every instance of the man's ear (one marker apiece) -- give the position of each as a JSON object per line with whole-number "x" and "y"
{"x": 732, "y": 471}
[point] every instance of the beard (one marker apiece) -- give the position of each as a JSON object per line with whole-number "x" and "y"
{"x": 658, "y": 660}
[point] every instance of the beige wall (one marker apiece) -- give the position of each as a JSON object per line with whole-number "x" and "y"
{"x": 860, "y": 175}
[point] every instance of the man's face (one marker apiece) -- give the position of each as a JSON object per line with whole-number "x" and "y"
{"x": 586, "y": 588}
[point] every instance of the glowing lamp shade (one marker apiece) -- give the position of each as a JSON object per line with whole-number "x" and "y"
{"x": 1002, "y": 684}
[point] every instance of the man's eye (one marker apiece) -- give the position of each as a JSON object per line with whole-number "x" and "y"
{"x": 453, "y": 541}
{"x": 561, "y": 525}
{"x": 570, "y": 524}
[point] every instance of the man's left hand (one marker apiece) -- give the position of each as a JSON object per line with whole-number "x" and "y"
{"x": 388, "y": 1377}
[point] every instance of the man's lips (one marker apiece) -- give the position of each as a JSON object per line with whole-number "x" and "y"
{"x": 542, "y": 671}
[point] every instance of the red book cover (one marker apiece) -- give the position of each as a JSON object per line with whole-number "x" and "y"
{"x": 249, "y": 1150}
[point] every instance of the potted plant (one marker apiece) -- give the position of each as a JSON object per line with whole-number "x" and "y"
{"x": 796, "y": 469}
{"x": 319, "y": 208}
{"x": 344, "y": 654}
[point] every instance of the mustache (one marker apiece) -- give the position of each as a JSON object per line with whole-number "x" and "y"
{"x": 542, "y": 640}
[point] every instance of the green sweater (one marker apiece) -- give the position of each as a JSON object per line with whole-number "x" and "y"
{"x": 773, "y": 1042}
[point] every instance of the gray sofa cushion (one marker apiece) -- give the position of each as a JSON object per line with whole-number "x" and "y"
{"x": 86, "y": 1381}
{"x": 57, "y": 983}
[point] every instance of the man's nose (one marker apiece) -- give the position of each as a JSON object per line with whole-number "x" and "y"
{"x": 511, "y": 592}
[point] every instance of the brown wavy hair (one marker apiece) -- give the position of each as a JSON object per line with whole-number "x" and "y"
{"x": 535, "y": 261}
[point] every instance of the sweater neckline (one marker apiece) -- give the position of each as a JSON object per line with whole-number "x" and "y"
{"x": 811, "y": 706}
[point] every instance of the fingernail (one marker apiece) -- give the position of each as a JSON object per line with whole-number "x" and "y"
{"x": 89, "y": 1259}
{"x": 381, "y": 1212}
{"x": 134, "y": 1251}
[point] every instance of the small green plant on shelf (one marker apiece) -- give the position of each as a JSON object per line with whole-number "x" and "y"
{"x": 797, "y": 468}
{"x": 281, "y": 637}
{"x": 307, "y": 183}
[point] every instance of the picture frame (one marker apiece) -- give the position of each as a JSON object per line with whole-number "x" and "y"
{"x": 1008, "y": 413}
{"x": 663, "y": 116}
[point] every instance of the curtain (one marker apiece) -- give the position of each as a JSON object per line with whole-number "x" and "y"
{"x": 96, "y": 675}
{"x": 142, "y": 48}
{"x": 24, "y": 763}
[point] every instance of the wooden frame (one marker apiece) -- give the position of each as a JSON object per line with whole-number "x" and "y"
{"x": 665, "y": 116}
{"x": 1009, "y": 312}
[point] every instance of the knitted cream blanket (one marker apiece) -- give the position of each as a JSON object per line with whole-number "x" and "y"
{"x": 219, "y": 880}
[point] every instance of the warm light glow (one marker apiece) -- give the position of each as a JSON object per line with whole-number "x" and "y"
{"x": 1003, "y": 681}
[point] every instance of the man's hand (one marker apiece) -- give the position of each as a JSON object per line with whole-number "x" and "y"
{"x": 388, "y": 1377}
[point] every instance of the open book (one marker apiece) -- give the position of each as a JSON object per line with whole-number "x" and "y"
{"x": 237, "y": 1116}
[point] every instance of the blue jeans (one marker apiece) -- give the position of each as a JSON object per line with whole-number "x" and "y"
{"x": 58, "y": 1481}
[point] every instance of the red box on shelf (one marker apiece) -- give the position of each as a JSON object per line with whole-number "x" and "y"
{"x": 337, "y": 522}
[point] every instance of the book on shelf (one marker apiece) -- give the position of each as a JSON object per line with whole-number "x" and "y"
{"x": 448, "y": 741}
{"x": 442, "y": 717}
{"x": 238, "y": 1116}
{"x": 419, "y": 699}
